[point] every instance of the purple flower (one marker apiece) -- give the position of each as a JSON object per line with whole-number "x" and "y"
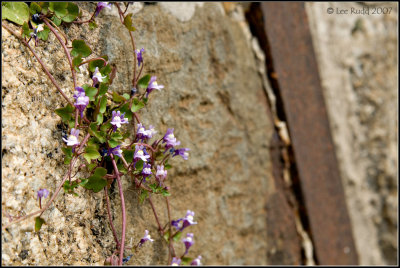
{"x": 139, "y": 56}
{"x": 153, "y": 85}
{"x": 175, "y": 261}
{"x": 42, "y": 193}
{"x": 73, "y": 138}
{"x": 146, "y": 170}
{"x": 145, "y": 238}
{"x": 188, "y": 241}
{"x": 81, "y": 99}
{"x": 115, "y": 151}
{"x": 140, "y": 153}
{"x": 118, "y": 119}
{"x": 182, "y": 223}
{"x": 142, "y": 133}
{"x": 182, "y": 152}
{"x": 100, "y": 6}
{"x": 161, "y": 173}
{"x": 170, "y": 139}
{"x": 97, "y": 78}
{"x": 196, "y": 261}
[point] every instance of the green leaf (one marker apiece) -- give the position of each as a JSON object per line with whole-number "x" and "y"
{"x": 17, "y": 12}
{"x": 92, "y": 25}
{"x": 128, "y": 155}
{"x": 136, "y": 105}
{"x": 166, "y": 236}
{"x": 143, "y": 196}
{"x": 165, "y": 192}
{"x": 59, "y": 8}
{"x": 139, "y": 165}
{"x": 73, "y": 12}
{"x": 106, "y": 70}
{"x": 80, "y": 47}
{"x": 34, "y": 8}
{"x": 67, "y": 151}
{"x": 90, "y": 91}
{"x": 95, "y": 183}
{"x": 44, "y": 34}
{"x": 113, "y": 143}
{"x": 125, "y": 109}
{"x": 57, "y": 21}
{"x": 91, "y": 153}
{"x": 128, "y": 22}
{"x": 116, "y": 136}
{"x": 177, "y": 236}
{"x": 126, "y": 96}
{"x": 103, "y": 89}
{"x": 167, "y": 166}
{"x": 77, "y": 60}
{"x": 96, "y": 63}
{"x": 186, "y": 260}
{"x": 103, "y": 104}
{"x": 144, "y": 81}
{"x": 105, "y": 127}
{"x": 44, "y": 6}
{"x": 100, "y": 172}
{"x": 99, "y": 119}
{"x": 91, "y": 166}
{"x": 117, "y": 97}
{"x": 65, "y": 113}
{"x": 38, "y": 223}
{"x": 26, "y": 32}
{"x": 145, "y": 100}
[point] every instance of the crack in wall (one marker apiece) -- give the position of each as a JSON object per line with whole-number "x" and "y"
{"x": 291, "y": 186}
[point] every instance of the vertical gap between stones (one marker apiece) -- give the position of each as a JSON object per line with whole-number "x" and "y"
{"x": 254, "y": 18}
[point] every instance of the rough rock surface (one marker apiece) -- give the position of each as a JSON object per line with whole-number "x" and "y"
{"x": 357, "y": 56}
{"x": 213, "y": 97}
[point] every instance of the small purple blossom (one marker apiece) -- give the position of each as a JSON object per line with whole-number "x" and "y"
{"x": 73, "y": 138}
{"x": 161, "y": 174}
{"x": 196, "y": 262}
{"x": 146, "y": 170}
{"x": 176, "y": 261}
{"x": 145, "y": 238}
{"x": 139, "y": 56}
{"x": 100, "y": 6}
{"x": 81, "y": 100}
{"x": 115, "y": 151}
{"x": 97, "y": 78}
{"x": 118, "y": 119}
{"x": 188, "y": 241}
{"x": 182, "y": 152}
{"x": 170, "y": 139}
{"x": 143, "y": 134}
{"x": 42, "y": 193}
{"x": 140, "y": 153}
{"x": 182, "y": 223}
{"x": 153, "y": 85}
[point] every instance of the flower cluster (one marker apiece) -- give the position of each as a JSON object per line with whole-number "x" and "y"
{"x": 182, "y": 223}
{"x": 81, "y": 100}
{"x": 118, "y": 119}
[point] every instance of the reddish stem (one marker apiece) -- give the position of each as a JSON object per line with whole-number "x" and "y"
{"x": 110, "y": 217}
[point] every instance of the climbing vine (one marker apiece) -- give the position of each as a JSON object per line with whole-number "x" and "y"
{"x": 100, "y": 122}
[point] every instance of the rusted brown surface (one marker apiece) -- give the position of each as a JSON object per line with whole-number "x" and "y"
{"x": 294, "y": 63}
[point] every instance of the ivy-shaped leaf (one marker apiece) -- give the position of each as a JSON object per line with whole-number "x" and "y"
{"x": 91, "y": 153}
{"x": 103, "y": 104}
{"x": 68, "y": 154}
{"x": 44, "y": 34}
{"x": 128, "y": 22}
{"x": 76, "y": 61}
{"x": 99, "y": 119}
{"x": 105, "y": 127}
{"x": 38, "y": 223}
{"x": 116, "y": 136}
{"x": 80, "y": 47}
{"x": 34, "y": 8}
{"x": 117, "y": 98}
{"x": 72, "y": 12}
{"x": 143, "y": 196}
{"x": 59, "y": 8}
{"x": 96, "y": 181}
{"x": 137, "y": 105}
{"x": 128, "y": 155}
{"x": 90, "y": 91}
{"x": 103, "y": 88}
{"x": 113, "y": 143}
{"x": 17, "y": 12}
{"x": 177, "y": 236}
{"x": 57, "y": 21}
{"x": 125, "y": 109}
{"x": 26, "y": 32}
{"x": 65, "y": 113}
{"x": 97, "y": 63}
{"x": 144, "y": 81}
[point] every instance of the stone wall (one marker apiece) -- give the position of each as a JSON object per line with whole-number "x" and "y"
{"x": 214, "y": 98}
{"x": 358, "y": 65}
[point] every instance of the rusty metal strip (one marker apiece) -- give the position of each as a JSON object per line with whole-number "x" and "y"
{"x": 295, "y": 66}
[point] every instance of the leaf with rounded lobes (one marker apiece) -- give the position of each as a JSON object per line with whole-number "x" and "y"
{"x": 126, "y": 96}
{"x": 143, "y": 195}
{"x": 177, "y": 236}
{"x": 90, "y": 167}
{"x": 45, "y": 7}
{"x": 57, "y": 21}
{"x": 113, "y": 143}
{"x": 167, "y": 166}
{"x": 128, "y": 22}
{"x": 106, "y": 70}
{"x": 125, "y": 109}
{"x": 137, "y": 105}
{"x": 166, "y": 236}
{"x": 91, "y": 153}
{"x": 97, "y": 63}
{"x": 139, "y": 165}
{"x": 117, "y": 97}
{"x": 116, "y": 136}
{"x": 186, "y": 260}
{"x": 17, "y": 12}
{"x": 165, "y": 192}
{"x": 34, "y": 8}
{"x": 80, "y": 47}
{"x": 90, "y": 91}
{"x": 59, "y": 8}
{"x": 92, "y": 25}
{"x": 38, "y": 223}
{"x": 105, "y": 127}
{"x": 95, "y": 183}
{"x": 103, "y": 104}
{"x": 77, "y": 60}
{"x": 144, "y": 81}
{"x": 103, "y": 89}
{"x": 26, "y": 32}
{"x": 44, "y": 34}
{"x": 100, "y": 172}
{"x": 99, "y": 120}
{"x": 65, "y": 113}
{"x": 72, "y": 12}
{"x": 128, "y": 155}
